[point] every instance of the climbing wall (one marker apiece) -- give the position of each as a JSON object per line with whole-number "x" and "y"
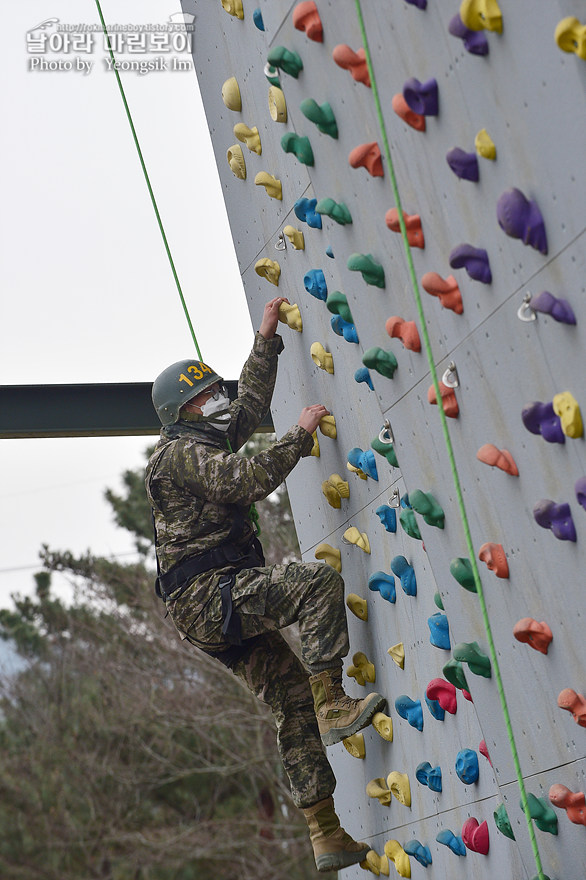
{"x": 459, "y": 528}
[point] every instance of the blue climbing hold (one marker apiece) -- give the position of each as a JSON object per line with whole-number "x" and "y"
{"x": 419, "y": 852}
{"x": 383, "y": 583}
{"x": 435, "y": 708}
{"x": 467, "y": 766}
{"x": 406, "y": 574}
{"x": 362, "y": 374}
{"x": 388, "y": 517}
{"x": 314, "y": 282}
{"x": 410, "y": 710}
{"x": 257, "y": 19}
{"x": 430, "y": 776}
{"x": 364, "y": 460}
{"x": 305, "y": 211}
{"x": 452, "y": 841}
{"x": 439, "y": 631}
{"x": 330, "y": 252}
{"x": 405, "y": 501}
{"x": 345, "y": 329}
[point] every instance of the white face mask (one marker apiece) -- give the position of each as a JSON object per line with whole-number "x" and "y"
{"x": 215, "y": 411}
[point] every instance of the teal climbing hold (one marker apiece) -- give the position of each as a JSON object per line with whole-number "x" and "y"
{"x": 300, "y": 146}
{"x": 384, "y": 362}
{"x": 372, "y": 272}
{"x": 322, "y": 115}
{"x": 470, "y": 653}
{"x": 438, "y": 601}
{"x": 406, "y": 574}
{"x": 425, "y": 504}
{"x": 409, "y": 524}
{"x": 336, "y": 211}
{"x": 387, "y": 449}
{"x": 286, "y": 60}
{"x": 542, "y": 813}
{"x": 502, "y": 821}
{"x": 337, "y": 303}
{"x": 454, "y": 673}
{"x": 461, "y": 569}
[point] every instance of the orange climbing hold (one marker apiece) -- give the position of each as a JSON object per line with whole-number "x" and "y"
{"x": 495, "y": 558}
{"x": 413, "y": 224}
{"x": 500, "y": 458}
{"x": 367, "y": 156}
{"x": 306, "y": 18}
{"x": 573, "y": 802}
{"x": 404, "y": 112}
{"x": 574, "y": 703}
{"x": 449, "y": 401}
{"x": 446, "y": 290}
{"x": 536, "y": 635}
{"x": 406, "y": 331}
{"x": 353, "y": 61}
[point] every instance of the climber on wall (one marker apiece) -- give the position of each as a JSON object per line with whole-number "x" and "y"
{"x": 224, "y": 599}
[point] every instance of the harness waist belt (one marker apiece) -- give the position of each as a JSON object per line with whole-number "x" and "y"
{"x": 172, "y": 584}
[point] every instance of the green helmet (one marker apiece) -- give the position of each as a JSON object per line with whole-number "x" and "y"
{"x": 177, "y": 385}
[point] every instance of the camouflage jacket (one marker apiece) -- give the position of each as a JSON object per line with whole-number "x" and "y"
{"x": 196, "y": 486}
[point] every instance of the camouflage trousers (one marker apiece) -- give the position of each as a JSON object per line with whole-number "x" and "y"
{"x": 268, "y": 599}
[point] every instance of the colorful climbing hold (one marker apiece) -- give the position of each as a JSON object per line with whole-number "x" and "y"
{"x": 540, "y": 418}
{"x": 396, "y": 854}
{"x": 329, "y": 554}
{"x": 337, "y": 303}
{"x": 361, "y": 669}
{"x": 413, "y": 227}
{"x": 234, "y": 7}
{"x": 482, "y": 748}
{"x": 435, "y": 709}
{"x": 559, "y": 309}
{"x": 376, "y": 864}
{"x": 475, "y": 836}
{"x": 409, "y": 524}
{"x": 231, "y": 94}
{"x": 371, "y": 271}
{"x": 495, "y": 558}
{"x": 365, "y": 461}
{"x": 248, "y": 136}
{"x": 277, "y": 104}
{"x": 236, "y": 161}
{"x": 454, "y": 673}
{"x": 419, "y": 852}
{"x": 439, "y": 631}
{"x": 383, "y": 725}
{"x": 437, "y": 598}
{"x": 467, "y": 768}
{"x": 537, "y": 635}
{"x": 272, "y": 186}
{"x": 406, "y": 331}
{"x": 580, "y": 490}
{"x": 484, "y": 145}
{"x": 355, "y": 62}
{"x": 305, "y": 210}
{"x": 475, "y": 42}
{"x": 357, "y": 606}
{"x": 575, "y": 703}
{"x": 461, "y": 570}
{"x": 344, "y": 328}
{"x": 425, "y": 504}
{"x": 573, "y": 802}
{"x": 296, "y": 237}
{"x": 299, "y": 146}
{"x": 383, "y": 362}
{"x": 404, "y": 112}
{"x": 446, "y": 290}
{"x": 362, "y": 375}
{"x": 422, "y": 98}
{"x": 360, "y": 539}
{"x": 500, "y": 458}
{"x": 327, "y": 425}
{"x": 257, "y": 19}
{"x": 314, "y": 282}
{"x": 355, "y": 745}
{"x": 378, "y": 788}
{"x": 406, "y": 574}
{"x": 570, "y": 36}
{"x": 555, "y": 517}
{"x": 410, "y": 710}
{"x": 474, "y": 260}
{"x": 290, "y": 315}
{"x": 470, "y": 653}
{"x": 481, "y": 15}
{"x": 400, "y": 787}
{"x": 286, "y": 60}
{"x": 449, "y": 401}
{"x": 306, "y": 18}
{"x": 430, "y": 776}
{"x": 521, "y": 218}
{"x": 443, "y": 692}
{"x": 367, "y": 156}
{"x": 566, "y": 408}
{"x": 542, "y": 814}
{"x": 338, "y": 212}
{"x": 452, "y": 841}
{"x": 388, "y": 517}
{"x": 383, "y": 583}
{"x": 268, "y": 269}
{"x": 502, "y": 822}
{"x": 463, "y": 164}
{"x": 322, "y": 115}
{"x": 385, "y": 447}
{"x": 397, "y": 654}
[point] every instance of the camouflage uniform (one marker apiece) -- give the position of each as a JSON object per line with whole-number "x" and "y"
{"x": 196, "y": 488}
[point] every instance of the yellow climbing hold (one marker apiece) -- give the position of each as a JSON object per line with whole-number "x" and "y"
{"x": 377, "y": 788}
{"x": 484, "y": 144}
{"x": 566, "y": 407}
{"x": 234, "y": 7}
{"x": 271, "y": 184}
{"x": 383, "y": 725}
{"x": 277, "y": 104}
{"x": 397, "y": 653}
{"x": 268, "y": 269}
{"x": 296, "y": 238}
{"x": 570, "y": 36}
{"x": 322, "y": 358}
{"x": 362, "y": 670}
{"x": 357, "y": 606}
{"x": 360, "y": 539}
{"x": 248, "y": 136}
{"x": 355, "y": 745}
{"x": 315, "y": 447}
{"x": 291, "y": 316}
{"x": 341, "y": 485}
{"x": 376, "y": 864}
{"x": 395, "y": 853}
{"x": 481, "y": 15}
{"x": 329, "y": 554}
{"x": 327, "y": 426}
{"x": 356, "y": 470}
{"x": 236, "y": 161}
{"x": 400, "y": 787}
{"x": 334, "y": 488}
{"x": 231, "y": 94}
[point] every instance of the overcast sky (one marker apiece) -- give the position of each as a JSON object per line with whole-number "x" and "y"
{"x": 87, "y": 291}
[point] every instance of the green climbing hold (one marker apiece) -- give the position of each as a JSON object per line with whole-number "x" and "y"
{"x": 542, "y": 813}
{"x": 425, "y": 504}
{"x": 461, "y": 569}
{"x": 438, "y": 601}
{"x": 454, "y": 673}
{"x": 470, "y": 653}
{"x": 502, "y": 822}
{"x": 322, "y": 116}
{"x": 386, "y": 449}
{"x": 272, "y": 74}
{"x": 371, "y": 271}
{"x": 409, "y": 524}
{"x": 286, "y": 60}
{"x": 337, "y": 211}
{"x": 337, "y": 304}
{"x": 384, "y": 362}
{"x": 300, "y": 146}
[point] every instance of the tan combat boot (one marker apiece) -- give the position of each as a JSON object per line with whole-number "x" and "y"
{"x": 332, "y": 847}
{"x": 338, "y": 715}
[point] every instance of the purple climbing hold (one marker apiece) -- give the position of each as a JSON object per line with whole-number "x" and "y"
{"x": 463, "y": 164}
{"x": 556, "y": 517}
{"x": 559, "y": 309}
{"x": 422, "y": 98}
{"x": 580, "y": 490}
{"x": 475, "y": 42}
{"x": 521, "y": 218}
{"x": 474, "y": 260}
{"x": 420, "y": 4}
{"x": 540, "y": 418}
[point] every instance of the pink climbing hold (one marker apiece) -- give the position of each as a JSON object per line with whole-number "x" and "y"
{"x": 367, "y": 156}
{"x": 449, "y": 401}
{"x": 406, "y": 331}
{"x": 446, "y": 290}
{"x": 404, "y": 112}
{"x": 574, "y": 703}
{"x": 353, "y": 61}
{"x": 444, "y": 692}
{"x": 484, "y": 751}
{"x": 467, "y": 695}
{"x": 475, "y": 836}
{"x": 495, "y": 558}
{"x": 306, "y": 18}
{"x": 536, "y": 635}
{"x": 500, "y": 458}
{"x": 573, "y": 802}
{"x": 412, "y": 224}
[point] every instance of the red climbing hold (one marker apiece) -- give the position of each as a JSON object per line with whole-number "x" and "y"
{"x": 406, "y": 331}
{"x": 449, "y": 401}
{"x": 500, "y": 458}
{"x": 446, "y": 290}
{"x": 574, "y": 703}
{"x": 353, "y": 61}
{"x": 306, "y": 18}
{"x": 573, "y": 802}
{"x": 444, "y": 692}
{"x": 404, "y": 112}
{"x": 484, "y": 751}
{"x": 413, "y": 224}
{"x": 495, "y": 558}
{"x": 536, "y": 635}
{"x": 475, "y": 836}
{"x": 367, "y": 156}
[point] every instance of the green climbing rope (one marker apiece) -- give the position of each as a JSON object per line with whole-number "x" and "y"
{"x": 450, "y": 450}
{"x": 148, "y": 182}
